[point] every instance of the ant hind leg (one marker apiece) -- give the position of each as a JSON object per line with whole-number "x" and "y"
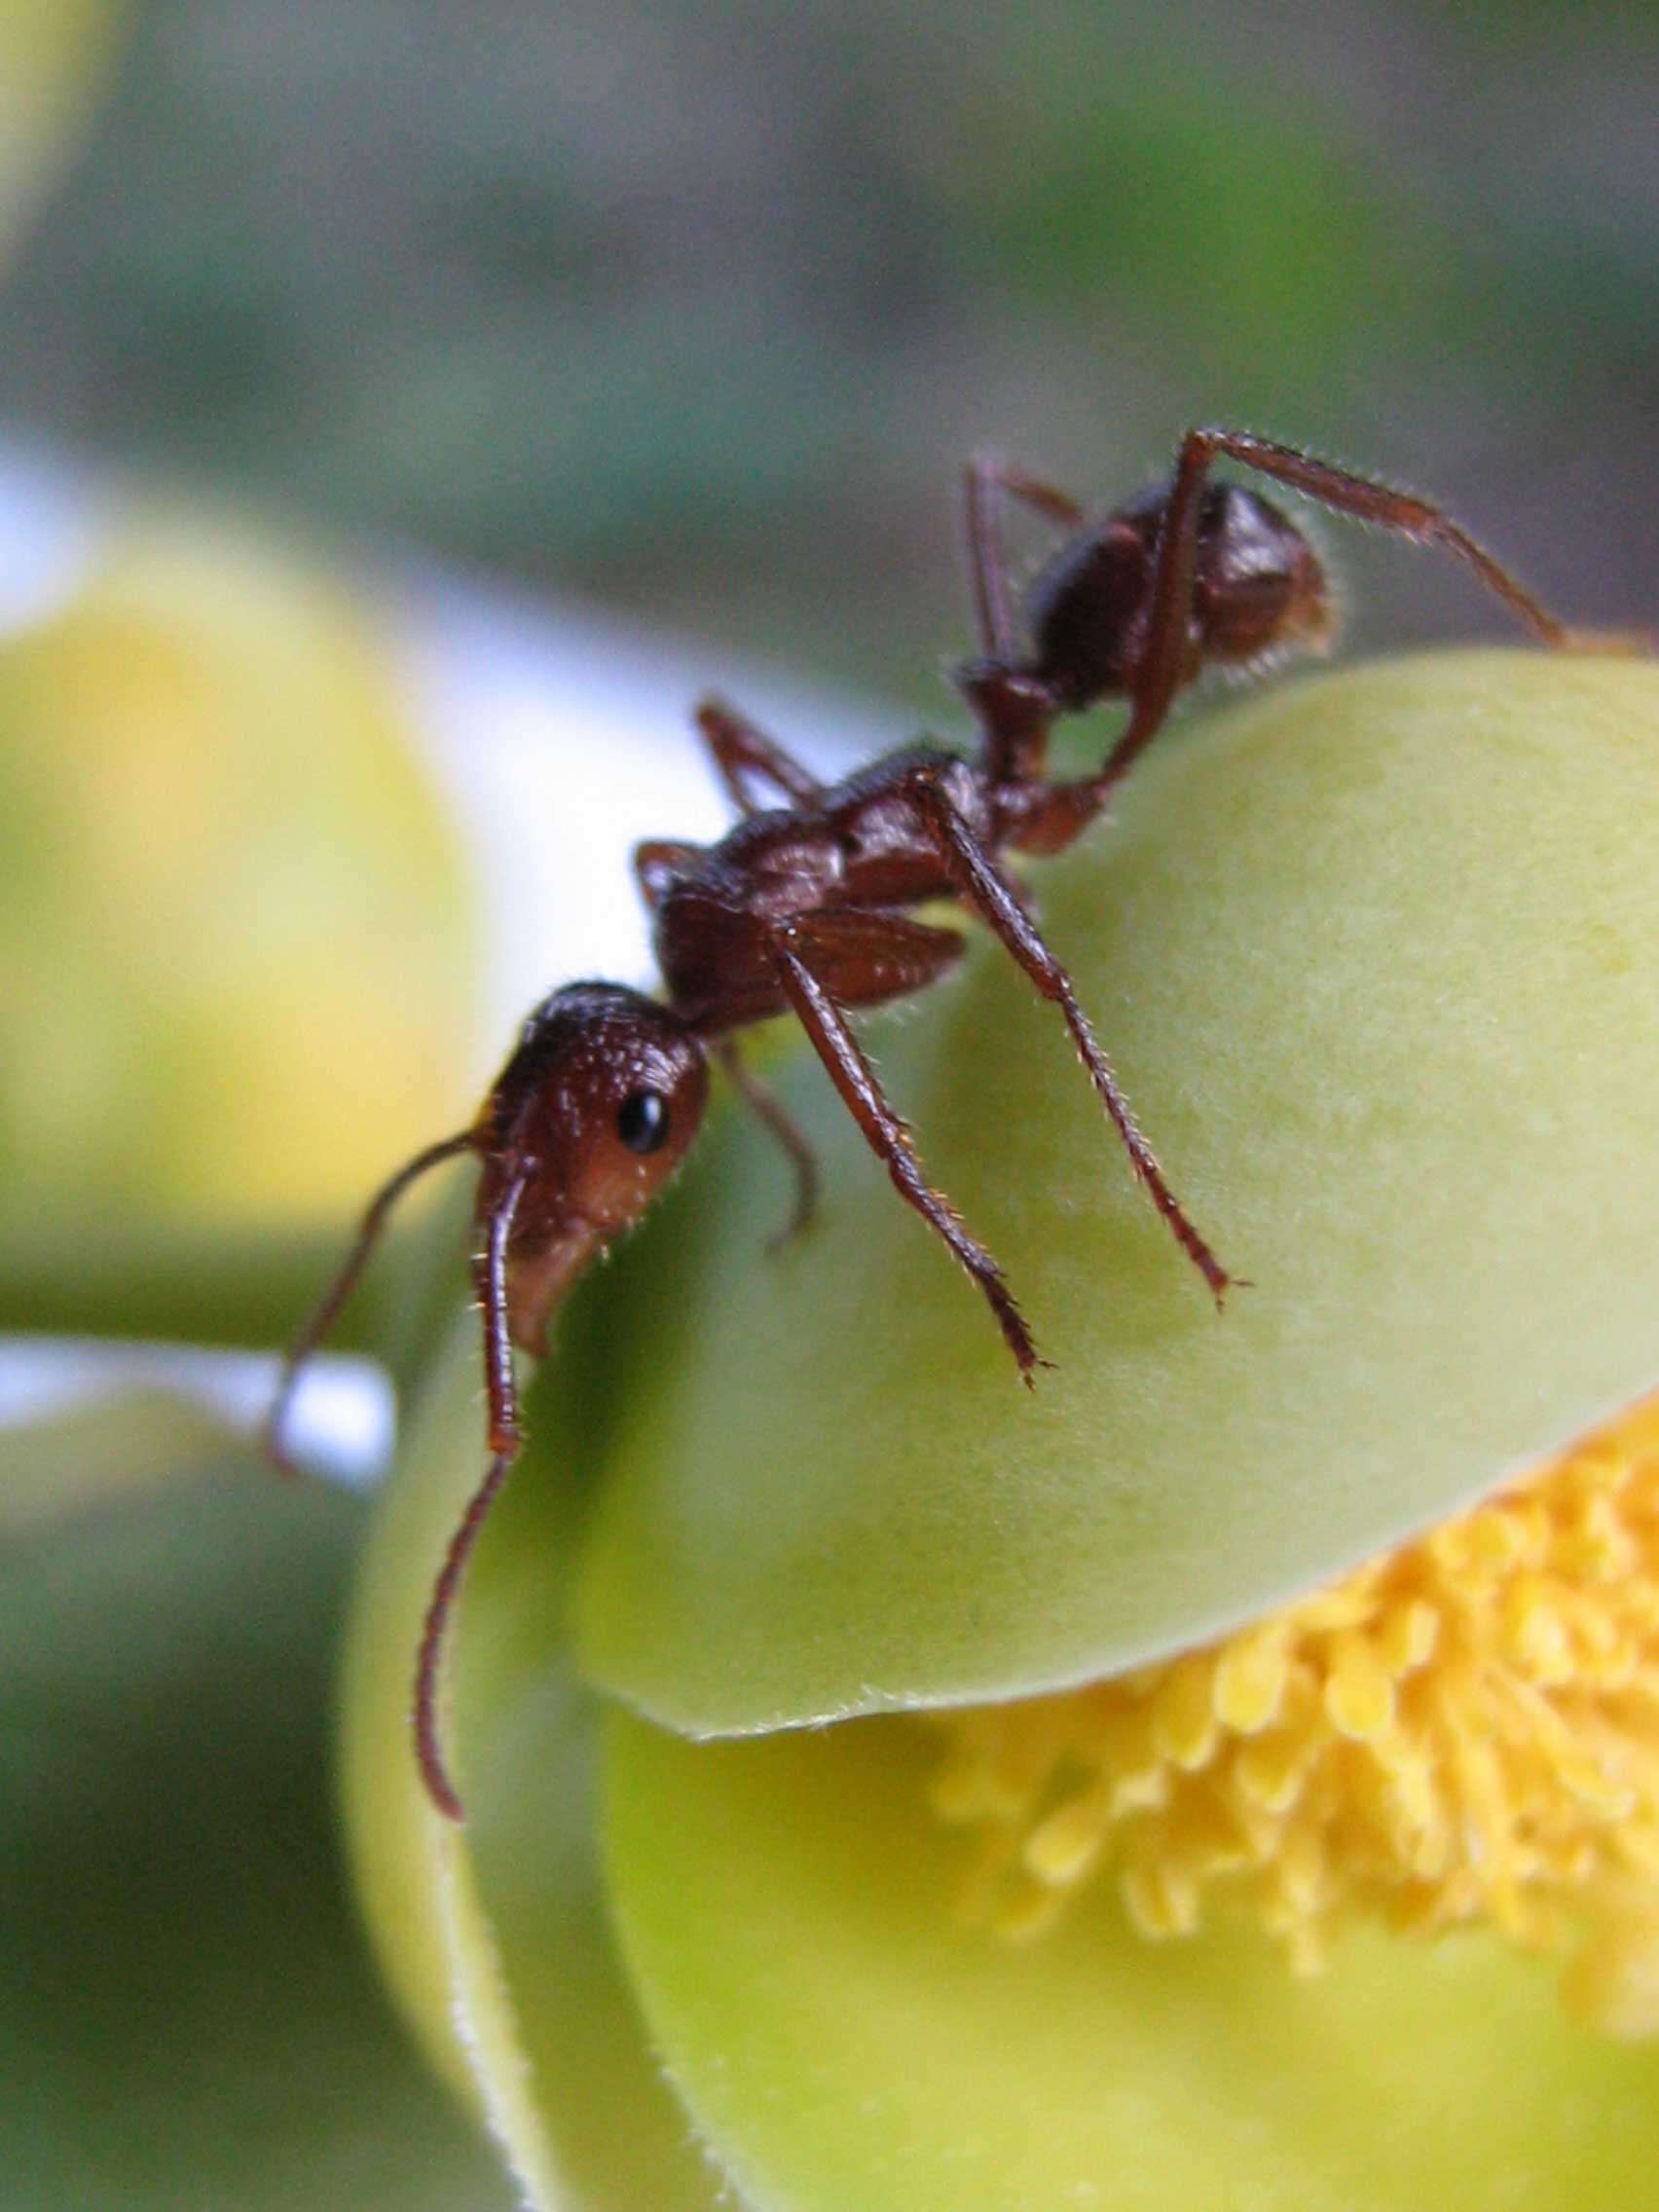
{"x": 1366, "y": 501}
{"x": 1159, "y": 676}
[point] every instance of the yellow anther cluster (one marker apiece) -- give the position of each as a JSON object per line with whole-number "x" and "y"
{"x": 1466, "y": 1731}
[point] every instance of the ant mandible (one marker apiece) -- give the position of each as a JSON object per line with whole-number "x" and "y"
{"x": 802, "y": 908}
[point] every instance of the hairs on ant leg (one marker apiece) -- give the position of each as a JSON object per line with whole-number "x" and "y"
{"x": 803, "y": 907}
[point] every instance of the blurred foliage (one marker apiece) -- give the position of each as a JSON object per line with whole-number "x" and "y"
{"x": 187, "y": 2016}
{"x": 233, "y": 939}
{"x": 58, "y": 54}
{"x": 699, "y": 303}
{"x": 1249, "y": 223}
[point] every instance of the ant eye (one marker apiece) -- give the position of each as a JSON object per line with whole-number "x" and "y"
{"x": 642, "y": 1122}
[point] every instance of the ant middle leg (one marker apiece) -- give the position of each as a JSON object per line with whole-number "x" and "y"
{"x": 992, "y": 897}
{"x": 802, "y": 956}
{"x": 758, "y": 774}
{"x": 769, "y": 1109}
{"x": 1159, "y": 676}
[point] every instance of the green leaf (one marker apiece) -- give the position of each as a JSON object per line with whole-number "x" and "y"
{"x": 1378, "y": 959}
{"x": 187, "y": 2013}
{"x": 844, "y": 2046}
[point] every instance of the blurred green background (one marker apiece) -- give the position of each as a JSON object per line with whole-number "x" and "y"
{"x": 695, "y": 306}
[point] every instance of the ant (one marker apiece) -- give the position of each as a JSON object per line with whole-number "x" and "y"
{"x": 802, "y": 908}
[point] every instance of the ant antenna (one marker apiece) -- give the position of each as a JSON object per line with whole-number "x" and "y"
{"x": 428, "y": 1749}
{"x": 345, "y": 1283}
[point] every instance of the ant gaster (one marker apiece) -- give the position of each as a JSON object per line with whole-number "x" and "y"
{"x": 802, "y": 908}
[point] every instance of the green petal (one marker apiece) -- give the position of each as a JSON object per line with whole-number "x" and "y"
{"x": 187, "y": 2011}
{"x": 494, "y": 1936}
{"x": 845, "y": 2047}
{"x": 1378, "y": 959}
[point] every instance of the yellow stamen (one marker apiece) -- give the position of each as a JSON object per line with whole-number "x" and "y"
{"x": 1464, "y": 1732}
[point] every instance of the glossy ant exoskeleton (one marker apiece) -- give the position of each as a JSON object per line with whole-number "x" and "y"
{"x": 802, "y": 908}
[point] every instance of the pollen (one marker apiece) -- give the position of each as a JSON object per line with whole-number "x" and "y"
{"x": 1462, "y": 1733}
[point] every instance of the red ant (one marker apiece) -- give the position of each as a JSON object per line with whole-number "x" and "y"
{"x": 802, "y": 908}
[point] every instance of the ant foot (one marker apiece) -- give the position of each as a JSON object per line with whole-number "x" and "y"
{"x": 273, "y": 1443}
{"x": 781, "y": 1238}
{"x": 1631, "y": 644}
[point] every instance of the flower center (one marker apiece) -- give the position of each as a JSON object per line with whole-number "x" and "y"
{"x": 1464, "y": 1732}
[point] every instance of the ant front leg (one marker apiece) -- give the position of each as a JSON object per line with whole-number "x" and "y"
{"x": 802, "y": 950}
{"x": 764, "y": 1103}
{"x": 758, "y": 774}
{"x": 504, "y": 1443}
{"x": 994, "y": 898}
{"x": 327, "y": 1310}
{"x": 1159, "y": 673}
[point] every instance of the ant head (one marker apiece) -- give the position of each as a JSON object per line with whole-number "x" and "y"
{"x": 595, "y": 1110}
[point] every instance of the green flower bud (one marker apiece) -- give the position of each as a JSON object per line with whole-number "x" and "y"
{"x": 1376, "y": 958}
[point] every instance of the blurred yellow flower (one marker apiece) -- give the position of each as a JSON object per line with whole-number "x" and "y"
{"x": 233, "y": 920}
{"x": 56, "y": 56}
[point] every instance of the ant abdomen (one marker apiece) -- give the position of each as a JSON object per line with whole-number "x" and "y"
{"x": 1256, "y": 584}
